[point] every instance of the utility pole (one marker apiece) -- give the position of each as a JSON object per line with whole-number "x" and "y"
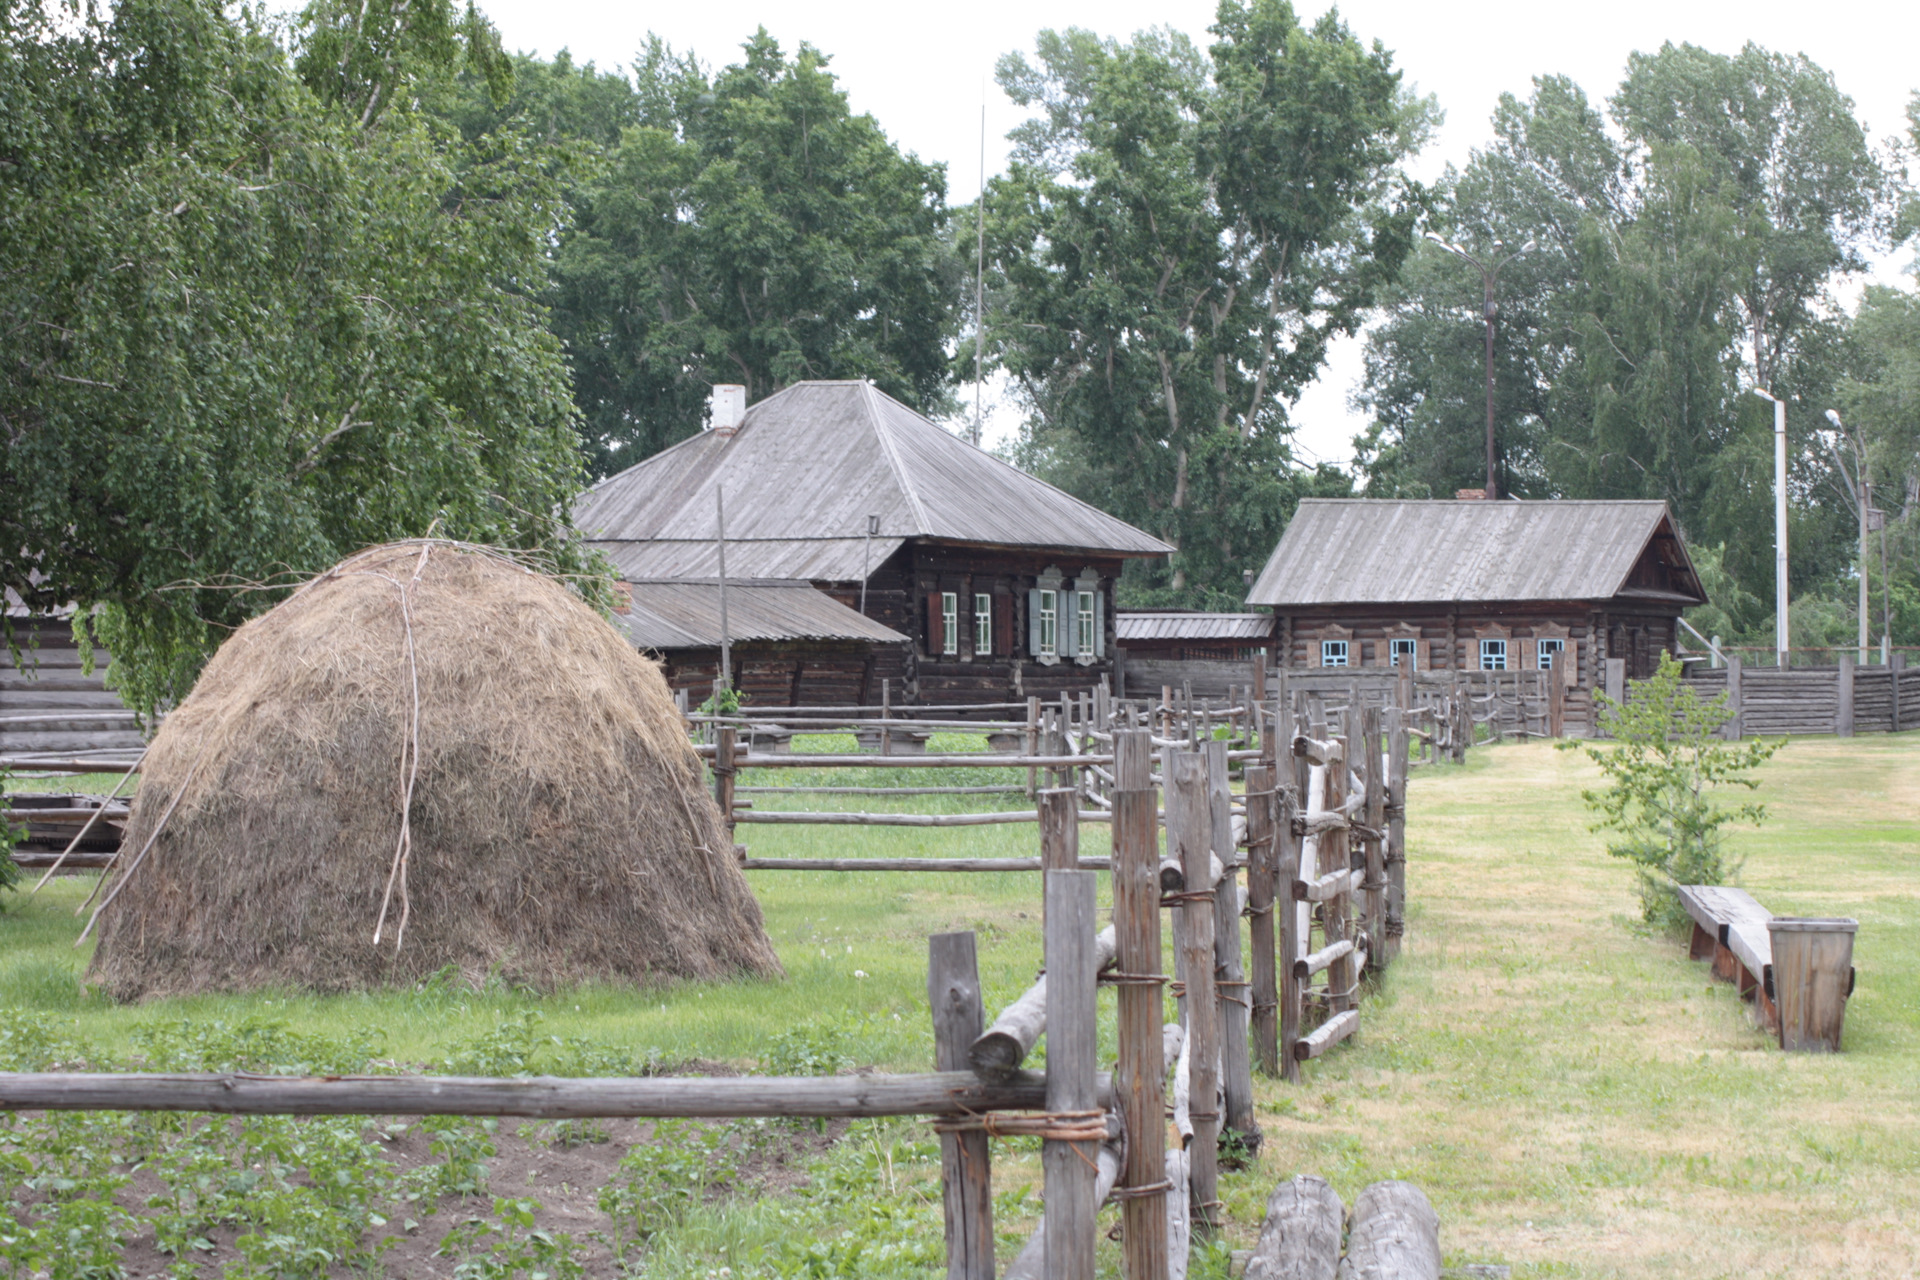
{"x": 980, "y": 279}
{"x": 1782, "y": 640}
{"x": 1490, "y": 311}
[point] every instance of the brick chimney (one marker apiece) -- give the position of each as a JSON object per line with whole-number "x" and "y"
{"x": 727, "y": 409}
{"x": 1470, "y": 495}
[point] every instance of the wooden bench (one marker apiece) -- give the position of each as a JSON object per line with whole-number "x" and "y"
{"x": 1730, "y": 929}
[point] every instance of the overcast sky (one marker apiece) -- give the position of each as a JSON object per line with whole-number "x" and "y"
{"x": 924, "y": 71}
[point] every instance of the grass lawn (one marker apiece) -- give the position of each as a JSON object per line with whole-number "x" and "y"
{"x": 1574, "y": 1094}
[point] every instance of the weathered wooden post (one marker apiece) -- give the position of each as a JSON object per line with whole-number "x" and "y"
{"x": 1736, "y": 700}
{"x": 1896, "y": 664}
{"x": 1060, "y": 829}
{"x": 1843, "y": 705}
{"x": 1396, "y": 855}
{"x": 1140, "y": 1074}
{"x": 1557, "y": 696}
{"x": 1336, "y": 854}
{"x": 1069, "y": 1166}
{"x": 1263, "y": 861}
{"x": 1373, "y": 844}
{"x": 1229, "y": 969}
{"x": 1190, "y": 839}
{"x": 725, "y": 769}
{"x": 1292, "y": 808}
{"x": 953, "y": 992}
{"x": 1033, "y": 745}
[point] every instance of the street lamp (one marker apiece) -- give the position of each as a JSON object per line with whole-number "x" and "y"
{"x": 1489, "y": 277}
{"x": 1782, "y": 645}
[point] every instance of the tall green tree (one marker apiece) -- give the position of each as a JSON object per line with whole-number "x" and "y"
{"x": 1178, "y": 238}
{"x": 259, "y": 312}
{"x": 749, "y": 228}
{"x": 1683, "y": 257}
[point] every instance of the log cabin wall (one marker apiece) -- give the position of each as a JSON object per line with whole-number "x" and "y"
{"x": 781, "y": 673}
{"x": 50, "y": 681}
{"x": 1448, "y": 639}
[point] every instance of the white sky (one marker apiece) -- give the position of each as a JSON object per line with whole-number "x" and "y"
{"x": 922, "y": 72}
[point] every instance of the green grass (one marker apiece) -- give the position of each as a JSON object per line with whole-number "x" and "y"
{"x": 1574, "y": 1094}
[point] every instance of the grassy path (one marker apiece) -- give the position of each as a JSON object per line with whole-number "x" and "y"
{"x": 1578, "y": 1097}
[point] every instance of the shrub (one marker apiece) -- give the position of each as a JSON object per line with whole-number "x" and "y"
{"x": 1662, "y": 767}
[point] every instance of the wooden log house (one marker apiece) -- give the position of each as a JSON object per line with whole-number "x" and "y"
{"x": 1479, "y": 586}
{"x": 790, "y": 644}
{"x": 50, "y": 705}
{"x": 1001, "y": 583}
{"x": 1180, "y": 648}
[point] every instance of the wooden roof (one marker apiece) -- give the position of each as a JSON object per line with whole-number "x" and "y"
{"x": 803, "y": 473}
{"x": 1393, "y": 551}
{"x": 683, "y": 614}
{"x": 1174, "y": 624}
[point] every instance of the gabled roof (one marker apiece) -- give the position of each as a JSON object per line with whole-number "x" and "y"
{"x": 685, "y": 614}
{"x": 806, "y": 468}
{"x": 1392, "y": 551}
{"x": 1175, "y": 624}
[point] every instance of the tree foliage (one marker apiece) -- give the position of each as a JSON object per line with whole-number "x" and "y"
{"x": 749, "y": 228}
{"x": 1665, "y": 761}
{"x": 259, "y": 312}
{"x": 1682, "y": 256}
{"x": 1179, "y": 236}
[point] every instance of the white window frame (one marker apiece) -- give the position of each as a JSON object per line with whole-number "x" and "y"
{"x": 1333, "y": 653}
{"x": 1544, "y": 648}
{"x": 982, "y": 624}
{"x": 1491, "y": 649}
{"x": 1083, "y": 619}
{"x": 1403, "y": 646}
{"x": 949, "y": 622}
{"x": 1049, "y": 623}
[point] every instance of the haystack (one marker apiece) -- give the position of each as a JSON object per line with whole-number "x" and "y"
{"x": 435, "y": 742}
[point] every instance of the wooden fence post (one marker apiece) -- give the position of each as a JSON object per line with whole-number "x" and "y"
{"x": 1896, "y": 663}
{"x": 1190, "y": 839}
{"x": 1229, "y": 969}
{"x": 1373, "y": 844}
{"x": 1557, "y": 696}
{"x": 1343, "y": 975}
{"x": 966, "y": 1181}
{"x": 1140, "y": 1076}
{"x": 1396, "y": 836}
{"x": 1292, "y": 803}
{"x": 1843, "y": 706}
{"x": 1072, "y": 1044}
{"x": 1060, "y": 829}
{"x": 724, "y": 771}
{"x": 1263, "y": 858}
{"x": 1736, "y": 701}
{"x": 1617, "y": 679}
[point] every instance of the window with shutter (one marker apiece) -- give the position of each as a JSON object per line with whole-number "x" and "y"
{"x": 950, "y": 622}
{"x": 936, "y": 615}
{"x": 1528, "y": 655}
{"x": 1403, "y": 651}
{"x": 1099, "y": 624}
{"x": 982, "y": 624}
{"x": 1083, "y": 626}
{"x": 1003, "y": 626}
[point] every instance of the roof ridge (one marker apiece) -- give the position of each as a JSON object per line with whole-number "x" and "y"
{"x": 922, "y": 525}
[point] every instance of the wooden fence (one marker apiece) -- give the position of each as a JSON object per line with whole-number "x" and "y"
{"x": 1845, "y": 699}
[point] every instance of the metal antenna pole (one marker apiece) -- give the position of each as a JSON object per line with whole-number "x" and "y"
{"x": 726, "y": 647}
{"x": 980, "y": 276}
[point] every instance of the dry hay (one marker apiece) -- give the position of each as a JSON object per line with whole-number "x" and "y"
{"x": 557, "y": 829}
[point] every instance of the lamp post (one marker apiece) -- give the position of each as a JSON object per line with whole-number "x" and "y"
{"x": 1489, "y": 277}
{"x": 1782, "y": 644}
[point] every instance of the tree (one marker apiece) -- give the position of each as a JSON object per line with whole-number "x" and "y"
{"x": 1178, "y": 238}
{"x": 259, "y": 313}
{"x": 1679, "y": 264}
{"x": 1662, "y": 767}
{"x": 749, "y": 228}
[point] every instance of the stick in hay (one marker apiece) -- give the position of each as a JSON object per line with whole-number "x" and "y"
{"x": 75, "y": 842}
{"x": 145, "y": 849}
{"x": 409, "y": 763}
